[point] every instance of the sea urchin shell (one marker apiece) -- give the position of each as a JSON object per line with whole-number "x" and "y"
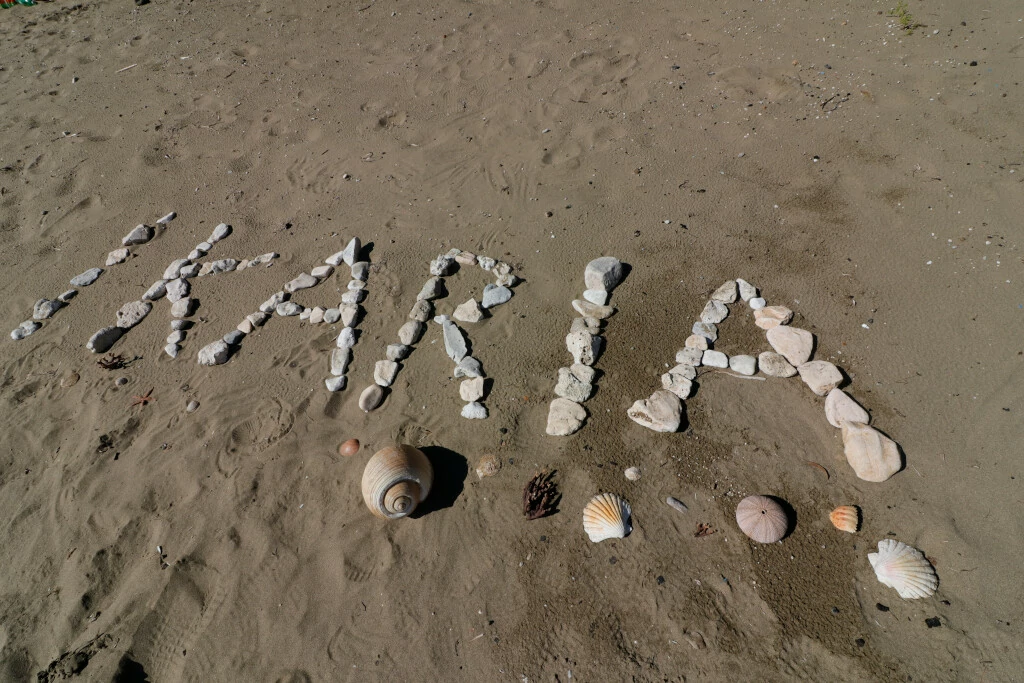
{"x": 762, "y": 519}
{"x": 900, "y": 566}
{"x": 606, "y": 516}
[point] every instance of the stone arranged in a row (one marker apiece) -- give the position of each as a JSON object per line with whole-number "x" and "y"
{"x": 44, "y": 309}
{"x": 348, "y": 311}
{"x": 584, "y": 342}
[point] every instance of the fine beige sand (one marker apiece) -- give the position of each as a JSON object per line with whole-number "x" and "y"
{"x": 867, "y": 178}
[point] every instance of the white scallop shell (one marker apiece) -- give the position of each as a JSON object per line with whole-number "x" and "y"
{"x": 606, "y": 516}
{"x": 904, "y": 568}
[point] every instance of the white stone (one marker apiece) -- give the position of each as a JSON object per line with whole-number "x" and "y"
{"x": 335, "y": 383}
{"x": 454, "y": 341}
{"x": 335, "y": 259}
{"x": 332, "y": 315}
{"x": 821, "y": 376}
{"x": 224, "y": 265}
{"x": 792, "y": 342}
{"x": 442, "y": 265}
{"x": 442, "y": 319}
{"x": 662, "y": 412}
{"x": 181, "y": 325}
{"x": 743, "y": 365}
{"x": 591, "y": 325}
{"x": 485, "y": 262}
{"x": 495, "y": 295}
{"x": 245, "y": 327}
{"x": 316, "y": 316}
{"x": 351, "y": 252}
{"x": 189, "y": 271}
{"x": 772, "y": 316}
{"x": 117, "y": 256}
{"x": 714, "y": 359}
{"x": 272, "y": 303}
{"x": 220, "y": 232}
{"x": 397, "y": 351}
{"x": 171, "y": 272}
{"x": 469, "y": 312}
{"x": 422, "y": 311}
{"x": 176, "y": 337}
{"x": 320, "y": 272}
{"x": 303, "y": 281}
{"x": 258, "y": 319}
{"x": 354, "y": 285}
{"x": 775, "y": 365}
{"x": 573, "y": 387}
{"x": 264, "y": 258}
{"x": 714, "y": 312}
{"x": 195, "y": 254}
{"x": 25, "y": 329}
{"x": 353, "y": 297}
{"x": 726, "y": 293}
{"x": 472, "y": 389}
{"x": 468, "y": 367}
{"x": 747, "y": 290}
{"x": 177, "y": 290}
{"x": 346, "y": 338}
{"x": 685, "y": 370}
{"x": 360, "y": 270}
{"x": 706, "y": 330}
{"x": 384, "y": 372}
{"x": 172, "y": 350}
{"x": 410, "y": 332}
{"x": 474, "y": 411}
{"x": 506, "y": 280}
{"x": 840, "y": 408}
{"x": 604, "y": 273}
{"x": 132, "y": 313}
{"x": 203, "y": 248}
{"x": 214, "y": 354}
{"x": 45, "y": 308}
{"x": 757, "y": 303}
{"x": 164, "y": 221}
{"x": 584, "y": 347}
{"x": 86, "y": 278}
{"x": 696, "y": 341}
{"x": 690, "y": 356}
{"x": 565, "y": 417}
{"x": 598, "y": 297}
{"x": 466, "y": 258}
{"x": 304, "y": 315}
{"x": 67, "y": 296}
{"x": 340, "y": 358}
{"x": 140, "y": 234}
{"x": 287, "y": 309}
{"x": 872, "y": 455}
{"x": 589, "y": 310}
{"x": 103, "y": 339}
{"x": 349, "y": 314}
{"x": 677, "y": 384}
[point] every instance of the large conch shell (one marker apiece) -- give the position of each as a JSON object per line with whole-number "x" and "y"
{"x": 606, "y": 516}
{"x": 396, "y": 480}
{"x": 899, "y": 566}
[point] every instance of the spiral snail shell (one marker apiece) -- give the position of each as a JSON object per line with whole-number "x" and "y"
{"x": 396, "y": 480}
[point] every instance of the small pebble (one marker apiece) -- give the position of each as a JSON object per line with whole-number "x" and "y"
{"x": 757, "y": 303}
{"x": 474, "y": 411}
{"x": 715, "y": 359}
{"x": 121, "y": 381}
{"x": 632, "y": 473}
{"x": 192, "y": 407}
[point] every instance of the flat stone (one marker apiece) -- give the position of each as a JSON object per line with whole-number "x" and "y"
{"x": 696, "y": 341}
{"x": 690, "y": 356}
{"x": 706, "y": 330}
{"x": 243, "y": 264}
{"x": 220, "y": 232}
{"x": 397, "y": 351}
{"x": 757, "y": 303}
{"x": 360, "y": 270}
{"x": 181, "y": 325}
{"x": 183, "y": 308}
{"x": 354, "y": 285}
{"x": 167, "y": 218}
{"x": 747, "y": 290}
{"x": 264, "y": 258}
{"x": 316, "y": 315}
{"x": 351, "y": 252}
{"x": 714, "y": 312}
{"x": 662, "y": 412}
{"x": 349, "y": 314}
{"x": 195, "y": 254}
{"x": 589, "y": 310}
{"x": 603, "y": 273}
{"x": 321, "y": 272}
{"x": 468, "y": 367}
{"x": 597, "y": 297}
{"x": 442, "y": 265}
{"x": 271, "y": 304}
{"x": 584, "y": 347}
{"x": 422, "y": 311}
{"x": 469, "y": 312}
{"x": 821, "y": 376}
{"x": 303, "y": 281}
{"x": 305, "y": 313}
{"x": 203, "y": 248}
{"x": 792, "y": 342}
{"x": 332, "y": 315}
{"x": 872, "y": 455}
{"x": 335, "y": 259}
{"x": 340, "y": 358}
{"x": 140, "y": 234}
{"x": 485, "y": 262}
{"x": 132, "y": 313}
{"x": 177, "y": 290}
{"x": 466, "y": 258}
{"x": 171, "y": 272}
{"x": 714, "y": 359}
{"x": 258, "y": 319}
{"x": 45, "y": 308}
{"x": 571, "y": 386}
{"x": 224, "y": 265}
{"x": 685, "y": 370}
{"x": 102, "y": 340}
{"x": 474, "y": 411}
{"x": 565, "y": 417}
{"x": 591, "y": 325}
{"x": 346, "y": 338}
{"x": 189, "y": 271}
{"x": 335, "y": 383}
{"x": 840, "y": 408}
{"x": 371, "y": 398}
{"x": 410, "y": 332}
{"x": 245, "y": 327}
{"x": 172, "y": 350}
{"x": 117, "y": 256}
{"x": 471, "y": 389}
{"x": 353, "y": 297}
{"x": 25, "y": 329}
{"x": 454, "y": 341}
{"x": 87, "y": 278}
{"x": 216, "y": 353}
{"x": 287, "y": 309}
{"x": 384, "y": 372}
{"x": 67, "y": 296}
{"x": 743, "y": 365}
{"x": 677, "y": 384}
{"x": 726, "y": 293}
{"x": 506, "y": 280}
{"x": 775, "y": 365}
{"x": 495, "y": 295}
{"x": 234, "y": 337}
{"x": 772, "y": 316}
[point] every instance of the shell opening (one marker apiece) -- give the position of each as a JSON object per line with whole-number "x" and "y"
{"x": 401, "y": 499}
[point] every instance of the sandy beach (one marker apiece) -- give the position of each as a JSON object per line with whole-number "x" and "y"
{"x": 860, "y": 163}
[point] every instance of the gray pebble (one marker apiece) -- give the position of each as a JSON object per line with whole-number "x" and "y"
{"x": 335, "y": 383}
{"x": 332, "y": 315}
{"x": 384, "y": 372}
{"x": 340, "y": 358}
{"x": 371, "y": 398}
{"x": 67, "y": 296}
{"x": 86, "y": 278}
{"x": 714, "y": 312}
{"x": 190, "y": 270}
{"x": 219, "y": 233}
{"x": 176, "y": 265}
{"x": 181, "y": 324}
{"x": 603, "y": 273}
{"x": 216, "y": 353}
{"x": 744, "y": 365}
{"x": 706, "y": 330}
{"x": 432, "y": 289}
{"x": 454, "y": 341}
{"x": 176, "y": 337}
{"x": 183, "y": 308}
{"x": 172, "y": 350}
{"x": 353, "y": 297}
{"x": 177, "y": 290}
{"x": 234, "y": 337}
{"x": 422, "y": 311}
{"x": 303, "y": 281}
{"x": 360, "y": 270}
{"x": 351, "y": 252}
{"x": 192, "y": 407}
{"x": 156, "y": 291}
{"x": 495, "y": 295}
{"x": 103, "y": 339}
{"x": 397, "y": 351}
{"x": 469, "y": 367}
{"x": 288, "y": 308}
{"x": 139, "y": 235}
{"x": 272, "y": 303}
{"x": 410, "y": 332}
{"x": 45, "y": 308}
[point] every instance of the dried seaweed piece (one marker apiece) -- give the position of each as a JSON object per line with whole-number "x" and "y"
{"x": 541, "y": 496}
{"x": 111, "y": 362}
{"x": 703, "y": 529}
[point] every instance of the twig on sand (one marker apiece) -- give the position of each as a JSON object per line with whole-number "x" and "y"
{"x": 130, "y": 66}
{"x": 723, "y": 372}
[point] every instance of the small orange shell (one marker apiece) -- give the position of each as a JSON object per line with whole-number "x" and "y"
{"x": 349, "y": 448}
{"x": 846, "y": 518}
